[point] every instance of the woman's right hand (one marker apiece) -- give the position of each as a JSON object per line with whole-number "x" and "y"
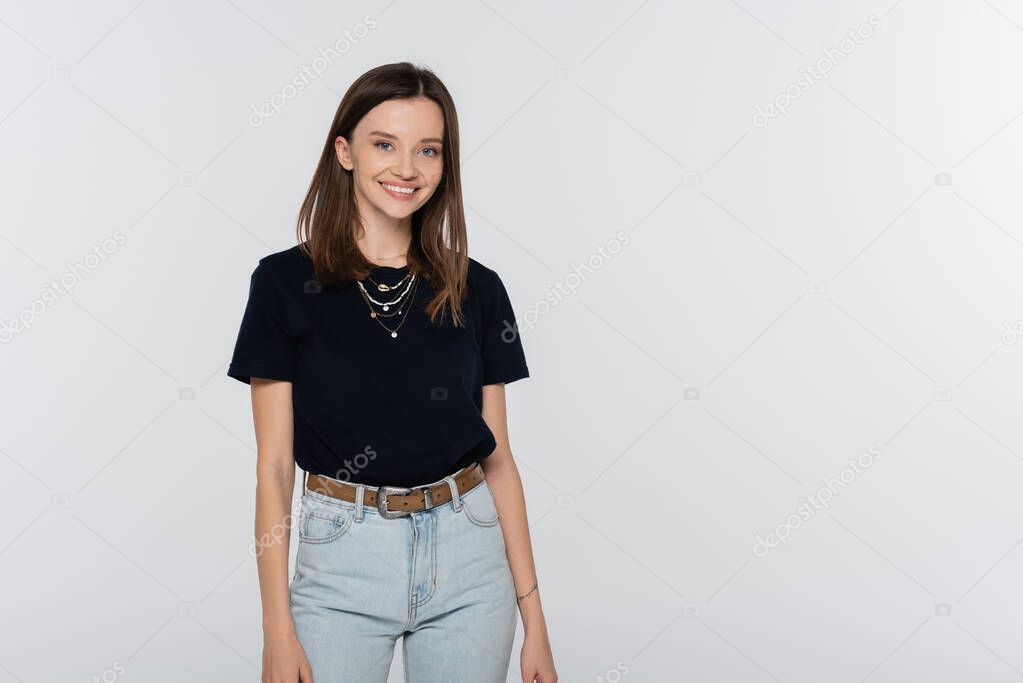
{"x": 284, "y": 660}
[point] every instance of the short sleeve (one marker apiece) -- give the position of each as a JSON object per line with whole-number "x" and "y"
{"x": 504, "y": 360}
{"x": 263, "y": 348}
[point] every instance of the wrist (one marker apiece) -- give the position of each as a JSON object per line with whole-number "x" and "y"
{"x": 278, "y": 628}
{"x": 531, "y": 612}
{"x": 535, "y": 628}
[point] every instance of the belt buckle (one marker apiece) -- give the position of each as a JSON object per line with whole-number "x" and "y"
{"x": 382, "y": 493}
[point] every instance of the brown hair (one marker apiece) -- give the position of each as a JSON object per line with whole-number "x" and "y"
{"x": 328, "y": 219}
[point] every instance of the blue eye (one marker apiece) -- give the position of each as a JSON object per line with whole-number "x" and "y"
{"x": 382, "y": 143}
{"x": 431, "y": 149}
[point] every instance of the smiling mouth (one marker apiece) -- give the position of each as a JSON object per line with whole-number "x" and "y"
{"x": 397, "y": 190}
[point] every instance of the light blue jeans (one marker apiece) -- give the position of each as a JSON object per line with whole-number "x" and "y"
{"x": 438, "y": 577}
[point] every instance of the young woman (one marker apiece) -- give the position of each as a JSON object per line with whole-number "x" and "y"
{"x": 378, "y": 352}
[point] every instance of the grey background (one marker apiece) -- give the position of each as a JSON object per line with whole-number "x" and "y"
{"x": 846, "y": 277}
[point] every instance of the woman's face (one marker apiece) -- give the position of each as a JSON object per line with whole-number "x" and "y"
{"x": 394, "y": 155}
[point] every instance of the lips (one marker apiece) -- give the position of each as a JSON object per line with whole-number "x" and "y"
{"x": 399, "y": 191}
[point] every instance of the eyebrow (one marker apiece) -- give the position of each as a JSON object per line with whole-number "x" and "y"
{"x": 395, "y": 137}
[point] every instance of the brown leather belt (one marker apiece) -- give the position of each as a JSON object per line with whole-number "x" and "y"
{"x": 398, "y": 501}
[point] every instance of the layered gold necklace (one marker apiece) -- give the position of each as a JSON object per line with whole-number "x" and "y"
{"x": 408, "y": 284}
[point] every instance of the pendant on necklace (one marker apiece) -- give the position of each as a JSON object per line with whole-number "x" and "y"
{"x": 394, "y": 334}
{"x": 372, "y": 314}
{"x": 386, "y": 307}
{"x": 383, "y": 288}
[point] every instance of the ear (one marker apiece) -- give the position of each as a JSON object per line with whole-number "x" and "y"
{"x": 343, "y": 152}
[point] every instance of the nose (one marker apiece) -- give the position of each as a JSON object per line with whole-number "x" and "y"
{"x": 405, "y": 167}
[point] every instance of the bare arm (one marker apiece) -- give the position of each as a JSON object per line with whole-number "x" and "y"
{"x": 283, "y": 658}
{"x": 275, "y": 481}
{"x": 502, "y": 476}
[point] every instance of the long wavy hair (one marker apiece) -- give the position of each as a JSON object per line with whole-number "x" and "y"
{"x": 328, "y": 221}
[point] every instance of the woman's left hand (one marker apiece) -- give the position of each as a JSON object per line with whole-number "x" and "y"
{"x": 536, "y": 660}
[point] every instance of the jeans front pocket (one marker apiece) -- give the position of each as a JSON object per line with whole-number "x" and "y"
{"x": 323, "y": 522}
{"x": 478, "y": 505}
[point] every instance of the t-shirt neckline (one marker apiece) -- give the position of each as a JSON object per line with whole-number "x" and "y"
{"x": 389, "y": 269}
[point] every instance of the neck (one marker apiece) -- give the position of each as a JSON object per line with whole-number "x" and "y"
{"x": 385, "y": 241}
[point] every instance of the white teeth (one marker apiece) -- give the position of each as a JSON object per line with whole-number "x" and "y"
{"x": 395, "y": 188}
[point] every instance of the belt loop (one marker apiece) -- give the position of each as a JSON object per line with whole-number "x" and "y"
{"x": 305, "y": 480}
{"x": 360, "y": 494}
{"x": 456, "y": 501}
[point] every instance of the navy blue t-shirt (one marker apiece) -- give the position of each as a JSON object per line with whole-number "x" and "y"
{"x": 369, "y": 408}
